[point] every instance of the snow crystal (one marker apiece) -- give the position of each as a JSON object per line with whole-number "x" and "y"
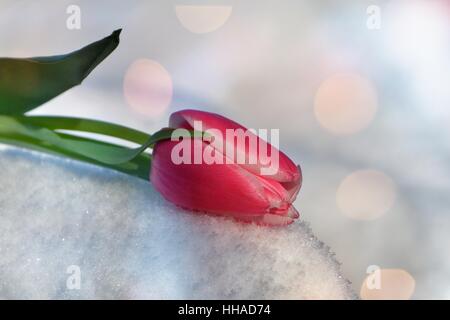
{"x": 126, "y": 242}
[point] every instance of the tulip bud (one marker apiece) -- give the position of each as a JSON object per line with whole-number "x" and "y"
{"x": 230, "y": 171}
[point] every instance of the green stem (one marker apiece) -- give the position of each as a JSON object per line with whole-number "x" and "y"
{"x": 86, "y": 125}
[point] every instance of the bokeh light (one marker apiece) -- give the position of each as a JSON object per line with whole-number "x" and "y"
{"x": 202, "y": 19}
{"x": 345, "y": 103}
{"x": 148, "y": 88}
{"x": 366, "y": 194}
{"x": 394, "y": 284}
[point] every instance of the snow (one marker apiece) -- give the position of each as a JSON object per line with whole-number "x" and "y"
{"x": 128, "y": 242}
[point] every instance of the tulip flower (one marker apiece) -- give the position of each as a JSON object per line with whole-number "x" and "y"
{"x": 227, "y": 187}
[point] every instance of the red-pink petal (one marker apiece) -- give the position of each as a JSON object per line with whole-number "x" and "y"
{"x": 287, "y": 171}
{"x": 225, "y": 189}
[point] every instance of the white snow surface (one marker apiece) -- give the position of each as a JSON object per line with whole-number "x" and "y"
{"x": 129, "y": 243}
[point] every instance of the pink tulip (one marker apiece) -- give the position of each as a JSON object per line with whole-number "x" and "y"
{"x": 231, "y": 189}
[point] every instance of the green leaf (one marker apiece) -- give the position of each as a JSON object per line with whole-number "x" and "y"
{"x": 138, "y": 167}
{"x": 27, "y": 83}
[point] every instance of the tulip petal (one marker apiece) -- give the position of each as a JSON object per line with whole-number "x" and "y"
{"x": 293, "y": 213}
{"x": 225, "y": 189}
{"x": 293, "y": 187}
{"x": 287, "y": 170}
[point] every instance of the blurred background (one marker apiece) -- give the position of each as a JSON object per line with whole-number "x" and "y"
{"x": 359, "y": 90}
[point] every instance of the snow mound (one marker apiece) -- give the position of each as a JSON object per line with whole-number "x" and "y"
{"x": 70, "y": 230}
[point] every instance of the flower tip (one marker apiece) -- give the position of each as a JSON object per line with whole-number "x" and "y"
{"x": 293, "y": 213}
